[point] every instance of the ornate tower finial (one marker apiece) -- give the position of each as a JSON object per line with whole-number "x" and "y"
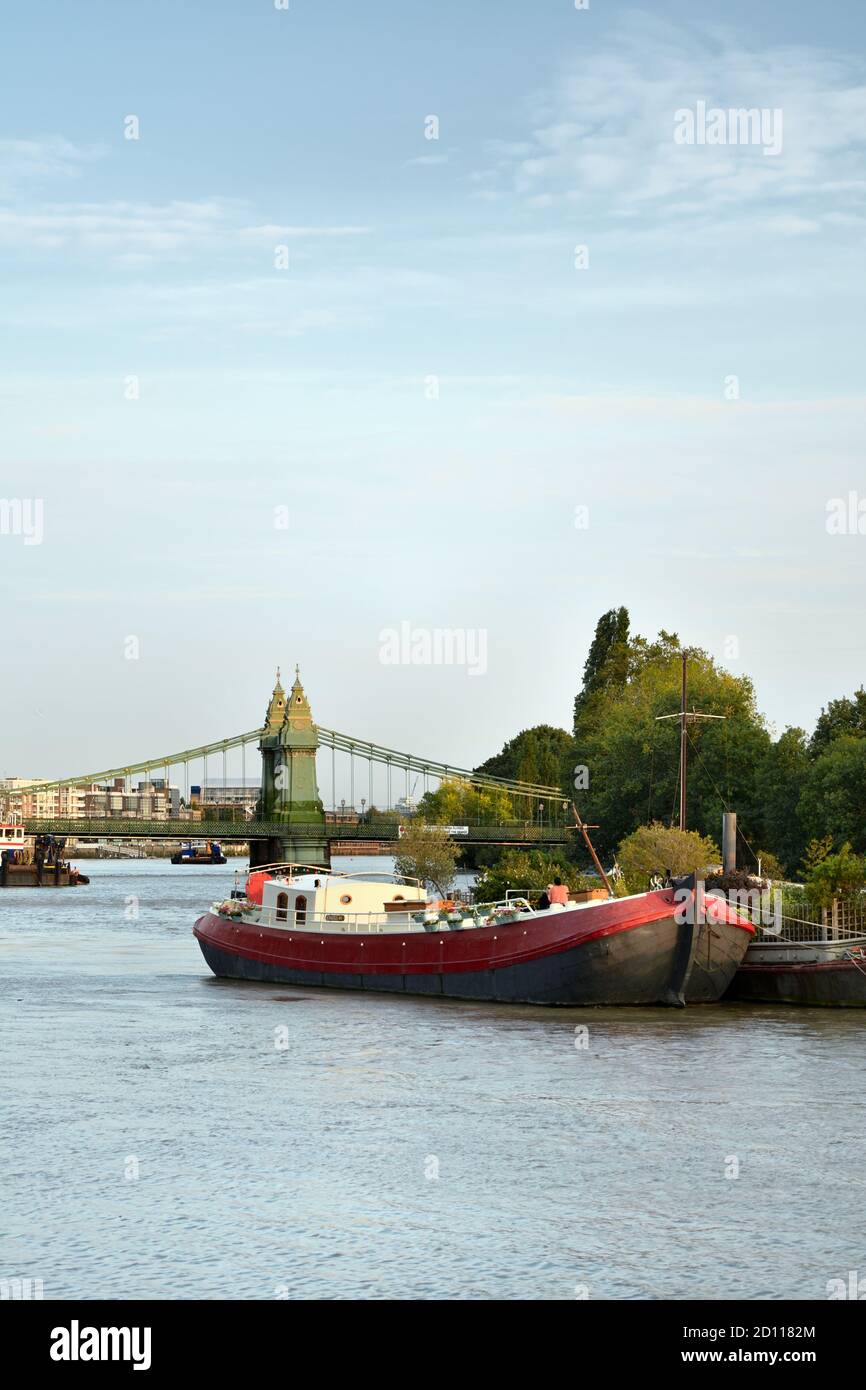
{"x": 277, "y": 707}
{"x": 298, "y": 712}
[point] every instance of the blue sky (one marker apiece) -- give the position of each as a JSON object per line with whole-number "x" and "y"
{"x": 409, "y": 259}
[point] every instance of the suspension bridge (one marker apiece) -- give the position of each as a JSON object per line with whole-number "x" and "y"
{"x": 290, "y": 820}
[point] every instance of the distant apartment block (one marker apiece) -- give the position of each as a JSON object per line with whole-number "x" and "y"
{"x": 148, "y": 801}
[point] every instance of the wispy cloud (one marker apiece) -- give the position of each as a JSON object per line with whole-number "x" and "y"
{"x": 603, "y": 134}
{"x": 616, "y": 405}
{"x": 27, "y": 163}
{"x": 272, "y": 231}
{"x": 138, "y": 231}
{"x": 424, "y": 159}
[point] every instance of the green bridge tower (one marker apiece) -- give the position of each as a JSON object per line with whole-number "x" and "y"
{"x": 290, "y": 792}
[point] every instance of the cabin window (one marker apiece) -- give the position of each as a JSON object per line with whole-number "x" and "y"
{"x": 346, "y": 898}
{"x": 300, "y": 909}
{"x": 282, "y": 907}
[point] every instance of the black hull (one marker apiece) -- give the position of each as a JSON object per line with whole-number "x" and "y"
{"x": 821, "y": 986}
{"x": 651, "y": 964}
{"x": 176, "y": 859}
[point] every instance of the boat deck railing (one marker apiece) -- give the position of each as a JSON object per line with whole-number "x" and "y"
{"x": 290, "y": 869}
{"x": 797, "y": 931}
{"x": 808, "y": 934}
{"x": 378, "y": 923}
{"x": 797, "y": 923}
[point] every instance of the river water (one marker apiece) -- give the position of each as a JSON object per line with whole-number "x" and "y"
{"x": 161, "y": 1137}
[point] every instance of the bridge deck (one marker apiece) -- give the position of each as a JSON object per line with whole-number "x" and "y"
{"x": 517, "y": 832}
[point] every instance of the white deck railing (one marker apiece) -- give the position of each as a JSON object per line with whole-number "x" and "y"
{"x": 363, "y": 923}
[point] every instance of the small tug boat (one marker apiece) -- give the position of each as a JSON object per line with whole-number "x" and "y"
{"x": 190, "y": 854}
{"x": 298, "y": 924}
{"x": 34, "y": 863}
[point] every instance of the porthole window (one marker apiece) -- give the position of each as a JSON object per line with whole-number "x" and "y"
{"x": 346, "y": 898}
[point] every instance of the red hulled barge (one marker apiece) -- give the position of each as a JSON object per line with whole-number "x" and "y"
{"x": 298, "y": 925}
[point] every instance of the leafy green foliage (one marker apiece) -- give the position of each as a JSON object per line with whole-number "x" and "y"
{"x": 780, "y": 778}
{"x": 607, "y": 663}
{"x": 784, "y": 790}
{"x": 844, "y": 716}
{"x": 771, "y": 867}
{"x": 426, "y": 852}
{"x": 633, "y": 760}
{"x": 833, "y": 801}
{"x": 533, "y": 755}
{"x": 651, "y": 849}
{"x": 815, "y": 853}
{"x": 375, "y": 815}
{"x": 841, "y": 875}
{"x": 532, "y": 871}
{"x": 456, "y": 802}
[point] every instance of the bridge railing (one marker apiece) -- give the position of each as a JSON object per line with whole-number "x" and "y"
{"x": 514, "y": 832}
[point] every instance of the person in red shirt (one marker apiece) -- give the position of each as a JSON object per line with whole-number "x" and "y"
{"x": 557, "y": 891}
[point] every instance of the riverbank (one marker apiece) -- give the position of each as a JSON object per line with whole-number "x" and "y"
{"x": 145, "y": 849}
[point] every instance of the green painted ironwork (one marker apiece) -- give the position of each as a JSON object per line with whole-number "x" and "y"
{"x": 189, "y": 755}
{"x": 328, "y": 738}
{"x": 103, "y": 828}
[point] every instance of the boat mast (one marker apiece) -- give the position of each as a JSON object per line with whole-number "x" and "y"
{"x": 584, "y": 830}
{"x": 685, "y": 717}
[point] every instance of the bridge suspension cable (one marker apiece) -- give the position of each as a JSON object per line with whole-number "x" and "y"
{"x": 392, "y": 758}
{"x": 411, "y": 762}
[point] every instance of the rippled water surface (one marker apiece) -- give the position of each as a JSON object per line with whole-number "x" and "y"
{"x": 398, "y": 1147}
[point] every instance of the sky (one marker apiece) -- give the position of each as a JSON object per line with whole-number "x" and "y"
{"x": 402, "y": 317}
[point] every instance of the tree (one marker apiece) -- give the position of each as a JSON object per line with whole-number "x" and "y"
{"x": 651, "y": 849}
{"x": 780, "y": 779}
{"x": 531, "y": 871}
{"x": 815, "y": 853}
{"x": 457, "y": 802}
{"x": 427, "y": 853}
{"x": 833, "y": 801}
{"x": 771, "y": 867}
{"x": 841, "y": 875}
{"x": 533, "y": 755}
{"x": 606, "y": 664}
{"x": 633, "y": 760}
{"x": 844, "y": 716}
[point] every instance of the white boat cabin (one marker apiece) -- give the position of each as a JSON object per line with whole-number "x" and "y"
{"x": 334, "y": 900}
{"x": 304, "y": 898}
{"x": 12, "y": 837}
